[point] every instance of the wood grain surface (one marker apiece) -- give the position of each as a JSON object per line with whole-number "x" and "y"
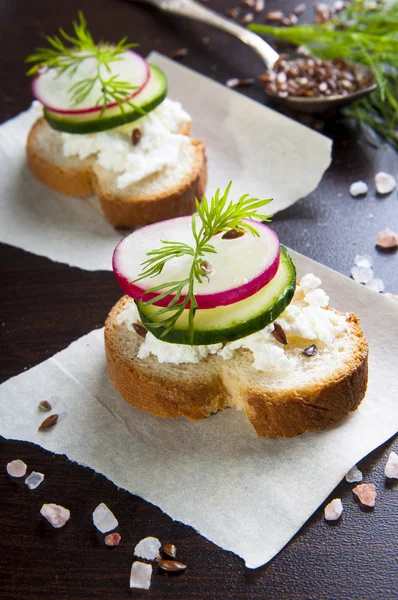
{"x": 45, "y": 306}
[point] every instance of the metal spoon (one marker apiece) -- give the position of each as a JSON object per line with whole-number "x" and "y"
{"x": 192, "y": 10}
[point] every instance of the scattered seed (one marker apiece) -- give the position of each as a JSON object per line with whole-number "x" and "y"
{"x": 113, "y": 539}
{"x": 274, "y": 15}
{"x": 136, "y": 136}
{"x": 279, "y": 334}
{"x": 233, "y": 13}
{"x": 45, "y": 406}
{"x": 385, "y": 183}
{"x": 248, "y": 18}
{"x": 16, "y": 468}
{"x": 310, "y": 350}
{"x": 232, "y": 234}
{"x": 140, "y": 329}
{"x": 333, "y": 510}
{"x": 172, "y": 566}
{"x": 49, "y": 422}
{"x": 366, "y": 494}
{"x": 170, "y": 550}
{"x": 205, "y": 266}
{"x": 179, "y": 53}
{"x": 235, "y": 82}
{"x": 299, "y": 9}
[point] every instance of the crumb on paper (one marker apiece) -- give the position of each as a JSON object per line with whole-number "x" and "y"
{"x": 366, "y": 494}
{"x": 333, "y": 510}
{"x": 148, "y": 548}
{"x": 391, "y": 468}
{"x": 140, "y": 576}
{"x": 55, "y": 514}
{"x": 354, "y": 475}
{"x": 16, "y": 468}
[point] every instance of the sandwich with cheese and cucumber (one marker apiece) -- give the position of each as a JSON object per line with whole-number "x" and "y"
{"x": 108, "y": 127}
{"x": 213, "y": 317}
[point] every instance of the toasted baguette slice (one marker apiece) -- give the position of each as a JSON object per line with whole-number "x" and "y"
{"x": 161, "y": 196}
{"x": 320, "y": 392}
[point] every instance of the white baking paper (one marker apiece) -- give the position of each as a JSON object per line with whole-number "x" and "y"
{"x": 247, "y": 494}
{"x": 264, "y": 153}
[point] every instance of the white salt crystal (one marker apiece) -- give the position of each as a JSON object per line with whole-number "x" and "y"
{"x": 391, "y": 468}
{"x": 55, "y": 514}
{"x": 34, "y": 480}
{"x": 353, "y": 475}
{"x": 358, "y": 188}
{"x": 363, "y": 260}
{"x": 333, "y": 510}
{"x": 148, "y": 548}
{"x": 377, "y": 285}
{"x": 385, "y": 183}
{"x": 104, "y": 519}
{"x": 140, "y": 576}
{"x": 362, "y": 274}
{"x": 16, "y": 468}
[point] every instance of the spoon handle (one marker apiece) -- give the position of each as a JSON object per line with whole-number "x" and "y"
{"x": 192, "y": 10}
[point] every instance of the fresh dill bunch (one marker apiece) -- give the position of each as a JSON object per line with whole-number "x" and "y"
{"x": 365, "y": 32}
{"x": 65, "y": 58}
{"x": 210, "y": 218}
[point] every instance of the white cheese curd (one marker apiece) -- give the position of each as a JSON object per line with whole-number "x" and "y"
{"x": 159, "y": 147}
{"x": 306, "y": 320}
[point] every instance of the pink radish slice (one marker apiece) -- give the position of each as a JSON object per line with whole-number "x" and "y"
{"x": 240, "y": 268}
{"x": 53, "y": 92}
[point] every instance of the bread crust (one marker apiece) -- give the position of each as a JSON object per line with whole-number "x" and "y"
{"x": 196, "y": 391}
{"x": 75, "y": 177}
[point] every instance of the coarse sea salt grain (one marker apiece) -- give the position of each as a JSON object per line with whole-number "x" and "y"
{"x": 113, "y": 539}
{"x": 366, "y": 494}
{"x": 333, "y": 510}
{"x": 140, "y": 576}
{"x": 16, "y": 468}
{"x": 104, "y": 519}
{"x": 358, "y": 188}
{"x": 385, "y": 183}
{"x": 55, "y": 514}
{"x": 387, "y": 239}
{"x": 362, "y": 274}
{"x": 354, "y": 475}
{"x": 148, "y": 548}
{"x": 363, "y": 260}
{"x": 34, "y": 480}
{"x": 377, "y": 285}
{"x": 391, "y": 468}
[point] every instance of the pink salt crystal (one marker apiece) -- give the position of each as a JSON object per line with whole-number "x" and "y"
{"x": 387, "y": 239}
{"x": 333, "y": 510}
{"x": 16, "y": 468}
{"x": 391, "y": 468}
{"x": 55, "y": 514}
{"x": 366, "y": 494}
{"x": 112, "y": 539}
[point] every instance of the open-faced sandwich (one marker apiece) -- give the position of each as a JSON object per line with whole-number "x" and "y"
{"x": 214, "y": 317}
{"x": 108, "y": 127}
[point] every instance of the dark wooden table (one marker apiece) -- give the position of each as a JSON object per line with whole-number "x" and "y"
{"x": 45, "y": 306}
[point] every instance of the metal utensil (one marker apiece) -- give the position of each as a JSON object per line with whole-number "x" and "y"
{"x": 192, "y": 10}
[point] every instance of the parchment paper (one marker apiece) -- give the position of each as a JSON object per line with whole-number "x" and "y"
{"x": 246, "y": 494}
{"x": 263, "y": 152}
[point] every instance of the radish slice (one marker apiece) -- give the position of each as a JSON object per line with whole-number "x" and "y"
{"x": 52, "y": 90}
{"x": 239, "y": 269}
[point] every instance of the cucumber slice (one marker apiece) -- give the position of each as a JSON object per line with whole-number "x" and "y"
{"x": 154, "y": 92}
{"x": 232, "y": 322}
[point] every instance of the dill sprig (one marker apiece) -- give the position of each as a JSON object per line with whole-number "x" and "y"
{"x": 65, "y": 58}
{"x": 365, "y": 32}
{"x": 218, "y": 215}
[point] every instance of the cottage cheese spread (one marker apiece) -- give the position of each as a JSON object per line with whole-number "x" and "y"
{"x": 306, "y": 319}
{"x": 159, "y": 147}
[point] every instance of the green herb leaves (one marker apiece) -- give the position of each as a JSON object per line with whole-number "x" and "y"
{"x": 218, "y": 215}
{"x": 65, "y": 58}
{"x": 365, "y": 32}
